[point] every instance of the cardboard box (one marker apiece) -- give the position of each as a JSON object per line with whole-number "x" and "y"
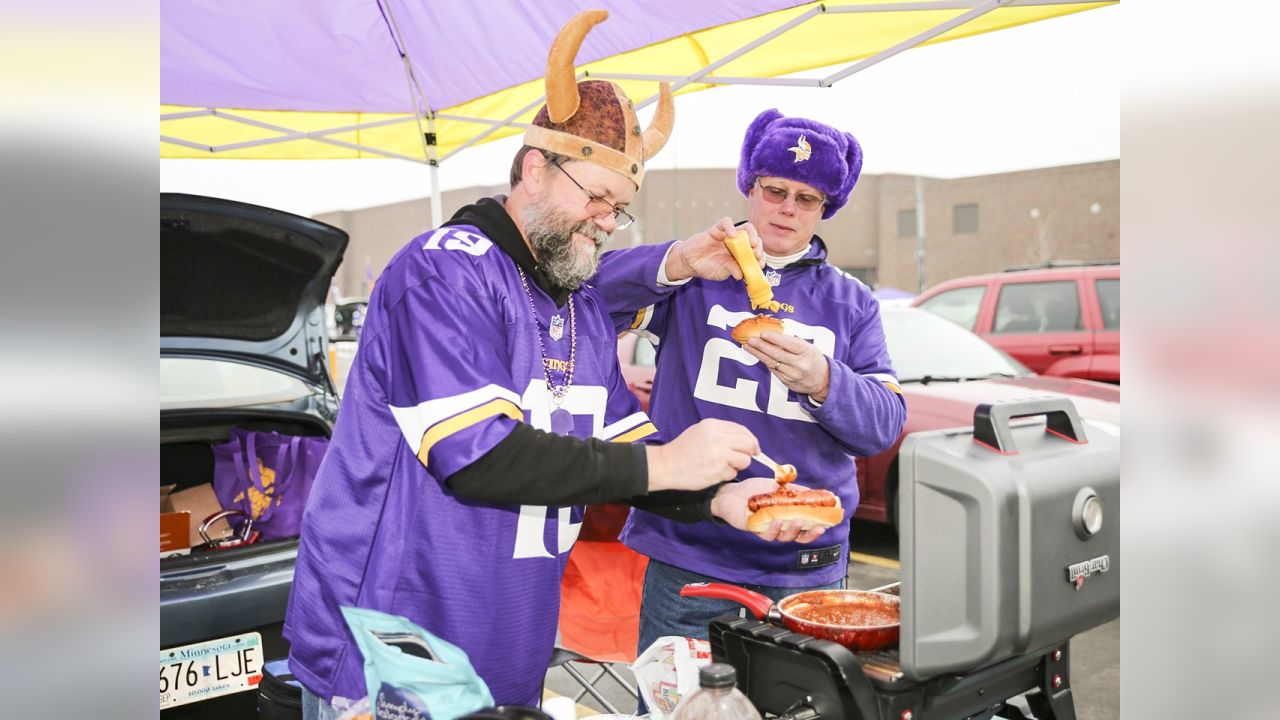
{"x": 166, "y": 502}
{"x": 175, "y": 531}
{"x": 200, "y": 503}
{"x": 175, "y": 527}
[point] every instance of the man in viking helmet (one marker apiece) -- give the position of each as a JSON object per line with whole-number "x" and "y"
{"x": 486, "y": 408}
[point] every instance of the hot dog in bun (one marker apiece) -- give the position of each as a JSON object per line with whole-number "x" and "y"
{"x": 811, "y": 508}
{"x": 753, "y": 326}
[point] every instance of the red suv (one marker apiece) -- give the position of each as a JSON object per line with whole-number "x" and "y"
{"x": 1061, "y": 321}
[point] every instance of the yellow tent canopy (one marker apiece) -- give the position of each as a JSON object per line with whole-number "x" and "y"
{"x": 758, "y": 50}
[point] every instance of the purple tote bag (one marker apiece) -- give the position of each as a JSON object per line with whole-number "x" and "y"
{"x": 268, "y": 476}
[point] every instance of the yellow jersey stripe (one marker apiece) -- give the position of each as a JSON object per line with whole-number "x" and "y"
{"x": 644, "y": 430}
{"x": 462, "y": 421}
{"x": 639, "y": 318}
{"x": 893, "y": 386}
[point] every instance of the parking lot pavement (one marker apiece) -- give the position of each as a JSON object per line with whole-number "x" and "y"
{"x": 1095, "y": 655}
{"x": 561, "y": 683}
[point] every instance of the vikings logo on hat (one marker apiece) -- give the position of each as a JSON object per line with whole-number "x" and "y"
{"x": 804, "y": 151}
{"x": 801, "y": 149}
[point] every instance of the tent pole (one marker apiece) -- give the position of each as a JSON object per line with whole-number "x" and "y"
{"x": 421, "y": 108}
{"x": 909, "y": 43}
{"x": 436, "y": 212}
{"x": 437, "y": 202}
{"x": 700, "y": 74}
{"x": 508, "y": 121}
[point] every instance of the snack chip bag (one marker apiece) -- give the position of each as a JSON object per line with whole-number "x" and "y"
{"x": 410, "y": 673}
{"x": 668, "y": 670}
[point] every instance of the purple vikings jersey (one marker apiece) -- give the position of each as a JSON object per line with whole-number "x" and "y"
{"x": 448, "y": 363}
{"x": 703, "y": 373}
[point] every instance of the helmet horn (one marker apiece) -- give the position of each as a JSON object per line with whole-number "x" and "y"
{"x": 660, "y": 128}
{"x": 562, "y": 84}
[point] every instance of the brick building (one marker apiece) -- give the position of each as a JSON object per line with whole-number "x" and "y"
{"x": 971, "y": 225}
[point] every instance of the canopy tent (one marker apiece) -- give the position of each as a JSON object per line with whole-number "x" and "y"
{"x": 422, "y": 81}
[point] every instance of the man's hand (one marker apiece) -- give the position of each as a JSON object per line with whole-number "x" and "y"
{"x": 797, "y": 363}
{"x": 704, "y": 255}
{"x": 730, "y": 505}
{"x": 713, "y": 451}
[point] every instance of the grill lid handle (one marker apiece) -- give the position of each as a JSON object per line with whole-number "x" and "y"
{"x": 991, "y": 421}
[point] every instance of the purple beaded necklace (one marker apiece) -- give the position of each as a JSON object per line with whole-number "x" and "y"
{"x": 561, "y": 419}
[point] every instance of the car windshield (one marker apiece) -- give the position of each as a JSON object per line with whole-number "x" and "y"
{"x": 925, "y": 347}
{"x": 207, "y": 383}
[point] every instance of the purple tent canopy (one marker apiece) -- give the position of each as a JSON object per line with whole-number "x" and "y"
{"x": 322, "y": 55}
{"x": 423, "y": 80}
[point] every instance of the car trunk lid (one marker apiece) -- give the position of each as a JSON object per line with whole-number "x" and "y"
{"x": 245, "y": 282}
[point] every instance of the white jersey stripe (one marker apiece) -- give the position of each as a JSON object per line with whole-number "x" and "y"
{"x": 415, "y": 421}
{"x": 629, "y": 422}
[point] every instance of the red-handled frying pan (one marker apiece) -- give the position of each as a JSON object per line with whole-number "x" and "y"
{"x": 857, "y": 619}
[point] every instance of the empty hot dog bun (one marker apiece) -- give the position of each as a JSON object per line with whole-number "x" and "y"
{"x": 753, "y": 326}
{"x": 809, "y": 516}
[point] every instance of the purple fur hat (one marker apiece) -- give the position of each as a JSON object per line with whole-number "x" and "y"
{"x": 804, "y": 151}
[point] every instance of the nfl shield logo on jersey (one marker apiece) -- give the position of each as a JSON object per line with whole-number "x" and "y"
{"x": 557, "y": 327}
{"x": 773, "y": 277}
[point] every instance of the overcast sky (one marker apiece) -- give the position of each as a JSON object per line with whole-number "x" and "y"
{"x": 1032, "y": 96}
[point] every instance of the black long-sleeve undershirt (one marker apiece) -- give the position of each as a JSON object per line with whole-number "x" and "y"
{"x": 534, "y": 467}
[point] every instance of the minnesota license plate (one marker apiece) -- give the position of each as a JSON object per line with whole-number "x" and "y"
{"x": 192, "y": 673}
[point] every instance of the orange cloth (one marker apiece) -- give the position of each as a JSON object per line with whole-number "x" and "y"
{"x": 600, "y": 594}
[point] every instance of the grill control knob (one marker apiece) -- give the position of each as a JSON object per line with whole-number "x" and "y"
{"x": 1087, "y": 514}
{"x": 1092, "y": 515}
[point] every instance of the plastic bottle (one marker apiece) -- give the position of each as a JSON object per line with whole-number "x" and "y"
{"x": 717, "y": 697}
{"x": 560, "y": 708}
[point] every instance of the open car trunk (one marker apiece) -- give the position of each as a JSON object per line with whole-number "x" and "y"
{"x": 186, "y": 460}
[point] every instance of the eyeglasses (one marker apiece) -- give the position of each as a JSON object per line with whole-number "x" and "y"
{"x": 777, "y": 196}
{"x": 598, "y": 206}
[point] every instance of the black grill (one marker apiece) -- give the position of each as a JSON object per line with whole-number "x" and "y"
{"x": 797, "y": 677}
{"x": 988, "y": 536}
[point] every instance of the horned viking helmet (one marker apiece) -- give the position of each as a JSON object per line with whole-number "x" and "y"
{"x": 593, "y": 120}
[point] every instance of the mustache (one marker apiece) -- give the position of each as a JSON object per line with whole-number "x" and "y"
{"x": 593, "y": 231}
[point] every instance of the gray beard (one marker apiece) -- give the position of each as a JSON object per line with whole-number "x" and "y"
{"x": 551, "y": 236}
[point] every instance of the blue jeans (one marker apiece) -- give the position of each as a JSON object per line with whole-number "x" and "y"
{"x": 664, "y": 612}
